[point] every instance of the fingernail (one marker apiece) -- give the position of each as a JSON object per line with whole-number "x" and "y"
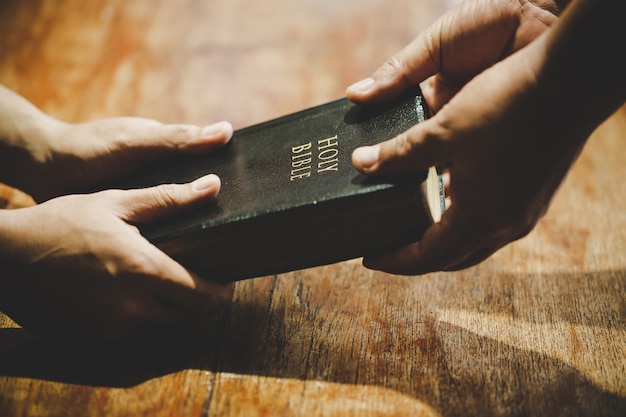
{"x": 363, "y": 86}
{"x": 366, "y": 156}
{"x": 206, "y": 182}
{"x": 216, "y": 129}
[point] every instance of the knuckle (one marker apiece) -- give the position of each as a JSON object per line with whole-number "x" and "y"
{"x": 168, "y": 194}
{"x": 395, "y": 68}
{"x": 403, "y": 144}
{"x": 412, "y": 142}
{"x": 392, "y": 66}
{"x": 177, "y": 136}
{"x": 431, "y": 139}
{"x": 122, "y": 140}
{"x": 112, "y": 194}
{"x": 124, "y": 135}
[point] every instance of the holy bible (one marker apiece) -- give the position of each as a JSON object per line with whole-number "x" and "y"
{"x": 291, "y": 198}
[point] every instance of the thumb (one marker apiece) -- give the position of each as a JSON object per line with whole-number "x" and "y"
{"x": 416, "y": 149}
{"x": 409, "y": 67}
{"x": 153, "y": 203}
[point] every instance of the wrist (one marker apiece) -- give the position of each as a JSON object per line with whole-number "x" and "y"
{"x": 26, "y": 140}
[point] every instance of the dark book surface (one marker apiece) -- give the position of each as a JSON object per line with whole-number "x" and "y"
{"x": 290, "y": 197}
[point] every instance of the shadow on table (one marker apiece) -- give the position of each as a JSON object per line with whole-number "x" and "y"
{"x": 120, "y": 363}
{"x": 252, "y": 339}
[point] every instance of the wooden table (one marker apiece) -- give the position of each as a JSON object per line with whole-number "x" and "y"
{"x": 538, "y": 329}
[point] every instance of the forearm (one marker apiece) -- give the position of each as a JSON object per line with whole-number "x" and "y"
{"x": 24, "y": 130}
{"x": 582, "y": 70}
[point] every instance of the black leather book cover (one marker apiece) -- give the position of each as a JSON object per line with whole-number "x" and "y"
{"x": 290, "y": 197}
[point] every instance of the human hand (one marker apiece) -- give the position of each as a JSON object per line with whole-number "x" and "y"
{"x": 456, "y": 47}
{"x": 46, "y": 157}
{"x": 496, "y": 137}
{"x": 78, "y": 265}
{"x": 85, "y": 154}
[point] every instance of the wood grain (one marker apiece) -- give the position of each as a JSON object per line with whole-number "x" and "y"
{"x": 538, "y": 329}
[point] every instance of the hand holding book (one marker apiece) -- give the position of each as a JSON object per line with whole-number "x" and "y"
{"x": 291, "y": 198}
{"x": 75, "y": 264}
{"x": 510, "y": 118}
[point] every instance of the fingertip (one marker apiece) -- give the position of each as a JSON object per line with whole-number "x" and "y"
{"x": 365, "y": 158}
{"x": 210, "y": 182}
{"x": 359, "y": 90}
{"x": 218, "y": 131}
{"x": 190, "y": 139}
{"x": 407, "y": 261}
